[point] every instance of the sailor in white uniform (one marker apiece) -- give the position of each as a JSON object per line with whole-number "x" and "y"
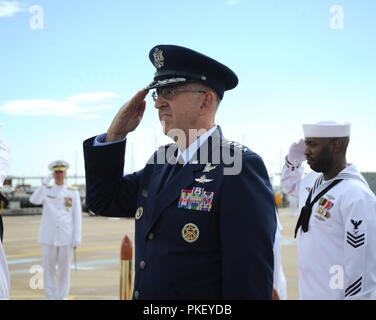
{"x": 60, "y": 230}
{"x": 4, "y": 275}
{"x": 336, "y": 229}
{"x": 4, "y": 272}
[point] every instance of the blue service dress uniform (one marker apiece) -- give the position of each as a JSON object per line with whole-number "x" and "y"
{"x": 220, "y": 249}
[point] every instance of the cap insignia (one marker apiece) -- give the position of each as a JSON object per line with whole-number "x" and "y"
{"x": 158, "y": 58}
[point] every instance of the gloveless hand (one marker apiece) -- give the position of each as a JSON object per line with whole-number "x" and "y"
{"x": 128, "y": 117}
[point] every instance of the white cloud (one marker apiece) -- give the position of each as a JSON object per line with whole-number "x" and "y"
{"x": 231, "y": 3}
{"x": 10, "y": 8}
{"x": 83, "y": 105}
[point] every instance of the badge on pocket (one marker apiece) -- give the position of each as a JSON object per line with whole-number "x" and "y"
{"x": 68, "y": 202}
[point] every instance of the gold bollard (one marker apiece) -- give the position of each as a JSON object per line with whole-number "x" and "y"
{"x": 278, "y": 198}
{"x": 126, "y": 271}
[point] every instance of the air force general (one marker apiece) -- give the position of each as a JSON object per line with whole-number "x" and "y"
{"x": 203, "y": 206}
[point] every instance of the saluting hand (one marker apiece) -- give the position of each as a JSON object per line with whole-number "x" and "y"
{"x": 296, "y": 152}
{"x": 46, "y": 180}
{"x": 128, "y": 117}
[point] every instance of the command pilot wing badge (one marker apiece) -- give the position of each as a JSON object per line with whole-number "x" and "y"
{"x": 209, "y": 167}
{"x": 203, "y": 179}
{"x": 158, "y": 58}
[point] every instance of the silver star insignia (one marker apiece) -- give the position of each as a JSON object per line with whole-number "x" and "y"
{"x": 203, "y": 179}
{"x": 209, "y": 167}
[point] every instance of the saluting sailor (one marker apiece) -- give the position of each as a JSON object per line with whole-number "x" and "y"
{"x": 60, "y": 229}
{"x": 202, "y": 232}
{"x": 336, "y": 229}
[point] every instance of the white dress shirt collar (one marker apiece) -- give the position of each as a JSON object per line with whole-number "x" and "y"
{"x": 188, "y": 153}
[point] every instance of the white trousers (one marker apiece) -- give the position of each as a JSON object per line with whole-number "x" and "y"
{"x": 56, "y": 271}
{"x": 4, "y": 275}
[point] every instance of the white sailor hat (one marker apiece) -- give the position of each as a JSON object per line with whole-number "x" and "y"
{"x": 58, "y": 165}
{"x": 327, "y": 129}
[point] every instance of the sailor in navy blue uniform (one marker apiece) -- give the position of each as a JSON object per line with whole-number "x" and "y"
{"x": 203, "y": 206}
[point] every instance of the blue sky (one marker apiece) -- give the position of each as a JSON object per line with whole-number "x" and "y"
{"x": 295, "y": 61}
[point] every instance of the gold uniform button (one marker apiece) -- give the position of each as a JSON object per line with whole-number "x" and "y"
{"x": 190, "y": 232}
{"x": 139, "y": 212}
{"x": 142, "y": 265}
{"x": 151, "y": 236}
{"x": 136, "y": 295}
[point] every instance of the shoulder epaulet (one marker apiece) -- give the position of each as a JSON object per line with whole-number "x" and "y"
{"x": 235, "y": 146}
{"x": 71, "y": 188}
{"x": 48, "y": 187}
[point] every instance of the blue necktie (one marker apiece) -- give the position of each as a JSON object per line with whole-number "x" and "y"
{"x": 173, "y": 172}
